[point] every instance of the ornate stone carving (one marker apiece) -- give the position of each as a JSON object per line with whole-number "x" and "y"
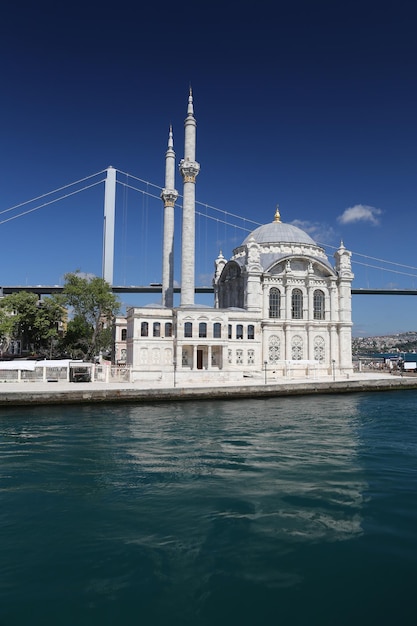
{"x": 296, "y": 348}
{"x": 274, "y": 349}
{"x": 254, "y": 255}
{"x": 343, "y": 263}
{"x": 189, "y": 170}
{"x": 319, "y": 349}
{"x": 169, "y": 196}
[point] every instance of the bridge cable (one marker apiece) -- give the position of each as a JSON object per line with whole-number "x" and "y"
{"x": 51, "y": 192}
{"x": 9, "y": 219}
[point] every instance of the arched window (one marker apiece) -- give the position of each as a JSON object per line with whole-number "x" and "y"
{"x": 202, "y": 329}
{"x": 319, "y": 349}
{"x": 318, "y": 304}
{"x": 188, "y": 329}
{"x": 274, "y": 349}
{"x": 124, "y": 334}
{"x": 156, "y": 329}
{"x": 229, "y": 331}
{"x": 297, "y": 304}
{"x": 274, "y": 302}
{"x": 168, "y": 329}
{"x": 239, "y": 331}
{"x": 251, "y": 331}
{"x": 144, "y": 329}
{"x": 296, "y": 348}
{"x": 217, "y": 330}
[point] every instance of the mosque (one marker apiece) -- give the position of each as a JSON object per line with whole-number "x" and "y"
{"x": 281, "y": 309}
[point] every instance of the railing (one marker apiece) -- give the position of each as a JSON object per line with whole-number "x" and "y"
{"x": 76, "y": 372}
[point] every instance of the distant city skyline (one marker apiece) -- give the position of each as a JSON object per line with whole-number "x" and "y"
{"x": 312, "y": 109}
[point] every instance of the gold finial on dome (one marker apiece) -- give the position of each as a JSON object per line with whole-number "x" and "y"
{"x": 277, "y": 217}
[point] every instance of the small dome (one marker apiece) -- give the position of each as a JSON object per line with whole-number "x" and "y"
{"x": 278, "y": 232}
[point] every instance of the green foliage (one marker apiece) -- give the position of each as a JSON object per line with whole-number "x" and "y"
{"x": 76, "y": 341}
{"x": 32, "y": 321}
{"x": 38, "y": 324}
{"x": 6, "y": 328}
{"x": 94, "y": 306}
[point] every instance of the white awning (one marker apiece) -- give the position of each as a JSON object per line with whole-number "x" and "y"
{"x": 32, "y": 365}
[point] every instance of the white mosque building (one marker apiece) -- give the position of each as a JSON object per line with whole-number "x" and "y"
{"x": 281, "y": 309}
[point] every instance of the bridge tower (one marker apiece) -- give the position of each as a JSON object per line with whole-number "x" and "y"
{"x": 108, "y": 228}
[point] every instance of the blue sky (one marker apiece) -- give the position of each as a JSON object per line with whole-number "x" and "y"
{"x": 309, "y": 105}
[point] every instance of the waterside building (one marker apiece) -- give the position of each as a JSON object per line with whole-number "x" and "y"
{"x": 280, "y": 306}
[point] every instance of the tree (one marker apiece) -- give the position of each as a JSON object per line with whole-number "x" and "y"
{"x": 94, "y": 306}
{"x": 49, "y": 321}
{"x": 32, "y": 321}
{"x": 75, "y": 343}
{"x": 6, "y": 328}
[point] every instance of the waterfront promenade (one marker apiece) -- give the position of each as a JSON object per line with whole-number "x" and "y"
{"x": 21, "y": 394}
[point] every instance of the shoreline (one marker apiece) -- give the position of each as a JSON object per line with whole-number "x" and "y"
{"x": 53, "y": 393}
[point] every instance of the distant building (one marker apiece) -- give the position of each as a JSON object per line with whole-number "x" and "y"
{"x": 280, "y": 307}
{"x": 119, "y": 340}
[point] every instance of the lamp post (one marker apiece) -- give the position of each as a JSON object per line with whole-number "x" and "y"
{"x": 175, "y": 371}
{"x": 333, "y": 368}
{"x": 265, "y": 364}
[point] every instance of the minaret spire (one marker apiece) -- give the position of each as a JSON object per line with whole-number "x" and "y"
{"x": 169, "y": 196}
{"x": 189, "y": 169}
{"x": 277, "y": 216}
{"x": 190, "y": 109}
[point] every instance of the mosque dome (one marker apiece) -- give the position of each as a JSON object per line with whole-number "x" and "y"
{"x": 278, "y": 232}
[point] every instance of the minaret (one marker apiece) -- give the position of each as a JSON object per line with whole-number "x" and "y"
{"x": 189, "y": 169}
{"x": 169, "y": 195}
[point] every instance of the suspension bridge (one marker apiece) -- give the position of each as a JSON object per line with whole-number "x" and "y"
{"x": 132, "y": 223}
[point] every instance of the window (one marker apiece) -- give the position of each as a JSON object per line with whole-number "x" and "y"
{"x": 202, "y": 329}
{"x": 251, "y": 331}
{"x": 297, "y": 304}
{"x": 274, "y": 302}
{"x": 188, "y": 329}
{"x": 251, "y": 357}
{"x": 168, "y": 329}
{"x": 124, "y": 334}
{"x": 156, "y": 329}
{"x": 274, "y": 349}
{"x": 297, "y": 348}
{"x": 239, "y": 331}
{"x": 318, "y": 304}
{"x": 217, "y": 330}
{"x": 319, "y": 349}
{"x": 144, "y": 329}
{"x": 239, "y": 357}
{"x": 229, "y": 331}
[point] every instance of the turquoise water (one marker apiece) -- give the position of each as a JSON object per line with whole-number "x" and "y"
{"x": 277, "y": 511}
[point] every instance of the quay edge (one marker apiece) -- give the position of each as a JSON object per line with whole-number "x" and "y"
{"x": 80, "y": 395}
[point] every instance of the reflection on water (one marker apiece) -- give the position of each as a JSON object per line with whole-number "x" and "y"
{"x": 198, "y": 512}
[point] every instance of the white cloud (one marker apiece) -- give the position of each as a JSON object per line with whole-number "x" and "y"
{"x": 317, "y": 231}
{"x": 360, "y": 213}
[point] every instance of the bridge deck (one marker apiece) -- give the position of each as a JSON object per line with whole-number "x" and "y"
{"x": 42, "y": 290}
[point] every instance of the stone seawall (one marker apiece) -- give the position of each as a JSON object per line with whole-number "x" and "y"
{"x": 23, "y": 395}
